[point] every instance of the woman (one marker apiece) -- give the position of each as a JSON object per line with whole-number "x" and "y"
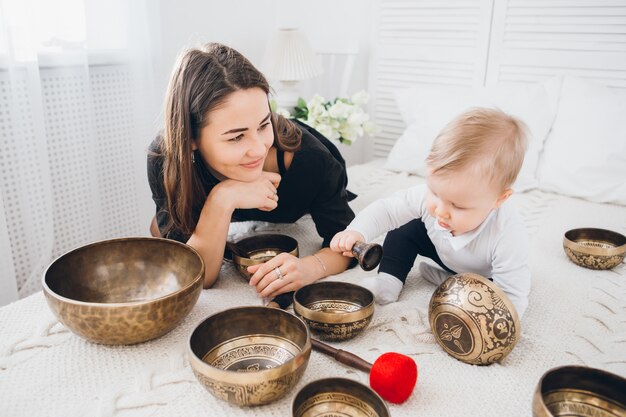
{"x": 225, "y": 156}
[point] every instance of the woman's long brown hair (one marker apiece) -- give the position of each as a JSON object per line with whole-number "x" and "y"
{"x": 202, "y": 79}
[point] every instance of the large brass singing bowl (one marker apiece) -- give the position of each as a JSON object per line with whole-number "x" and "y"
{"x": 257, "y": 249}
{"x": 595, "y": 248}
{"x": 338, "y": 397}
{"x": 334, "y": 311}
{"x": 124, "y": 291}
{"x": 250, "y": 355}
{"x": 580, "y": 391}
{"x": 473, "y": 320}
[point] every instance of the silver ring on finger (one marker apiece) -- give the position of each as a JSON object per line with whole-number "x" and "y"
{"x": 279, "y": 274}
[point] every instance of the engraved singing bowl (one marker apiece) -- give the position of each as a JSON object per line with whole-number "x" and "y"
{"x": 579, "y": 391}
{"x": 334, "y": 311}
{"x": 124, "y": 291}
{"x": 473, "y": 320}
{"x": 249, "y": 355}
{"x": 338, "y": 397}
{"x": 595, "y": 248}
{"x": 257, "y": 249}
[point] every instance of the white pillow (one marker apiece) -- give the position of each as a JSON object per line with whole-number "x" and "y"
{"x": 585, "y": 153}
{"x": 426, "y": 109}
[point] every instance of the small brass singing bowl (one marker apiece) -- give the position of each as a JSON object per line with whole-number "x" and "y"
{"x": 258, "y": 249}
{"x": 249, "y": 355}
{"x": 367, "y": 254}
{"x": 338, "y": 397}
{"x": 473, "y": 320}
{"x": 579, "y": 391}
{"x": 595, "y": 248}
{"x": 124, "y": 291}
{"x": 334, "y": 311}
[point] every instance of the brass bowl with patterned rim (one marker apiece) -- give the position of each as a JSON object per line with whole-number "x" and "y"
{"x": 124, "y": 291}
{"x": 249, "y": 355}
{"x": 261, "y": 248}
{"x": 579, "y": 391}
{"x": 338, "y": 397}
{"x": 334, "y": 311}
{"x": 473, "y": 320}
{"x": 595, "y": 248}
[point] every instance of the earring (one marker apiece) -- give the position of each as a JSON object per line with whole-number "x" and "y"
{"x": 193, "y": 157}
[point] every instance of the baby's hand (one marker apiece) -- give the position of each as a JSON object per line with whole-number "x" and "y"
{"x": 344, "y": 241}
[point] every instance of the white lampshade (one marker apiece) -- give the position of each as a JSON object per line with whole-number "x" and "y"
{"x": 289, "y": 57}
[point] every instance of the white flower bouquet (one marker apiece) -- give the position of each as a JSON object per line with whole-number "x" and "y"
{"x": 341, "y": 119}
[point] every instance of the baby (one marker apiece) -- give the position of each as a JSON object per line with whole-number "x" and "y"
{"x": 460, "y": 218}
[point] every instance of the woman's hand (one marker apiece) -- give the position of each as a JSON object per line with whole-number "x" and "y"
{"x": 259, "y": 194}
{"x": 282, "y": 273}
{"x": 344, "y": 241}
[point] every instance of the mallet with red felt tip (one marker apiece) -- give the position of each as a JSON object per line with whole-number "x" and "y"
{"x": 393, "y": 375}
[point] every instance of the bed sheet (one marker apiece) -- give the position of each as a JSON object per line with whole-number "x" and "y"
{"x": 575, "y": 316}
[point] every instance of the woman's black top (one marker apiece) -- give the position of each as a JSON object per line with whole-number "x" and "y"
{"x": 314, "y": 184}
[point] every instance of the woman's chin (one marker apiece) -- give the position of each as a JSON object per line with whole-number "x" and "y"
{"x": 247, "y": 175}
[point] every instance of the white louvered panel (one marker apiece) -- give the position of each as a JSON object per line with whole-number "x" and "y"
{"x": 396, "y": 73}
{"x": 515, "y": 73}
{"x": 533, "y": 40}
{"x": 571, "y": 4}
{"x": 550, "y": 9}
{"x": 423, "y": 42}
{"x": 388, "y": 121}
{"x": 567, "y": 41}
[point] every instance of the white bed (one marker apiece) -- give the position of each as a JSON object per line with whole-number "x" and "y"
{"x": 575, "y": 316}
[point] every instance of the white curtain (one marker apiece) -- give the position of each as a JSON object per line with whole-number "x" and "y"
{"x": 77, "y": 111}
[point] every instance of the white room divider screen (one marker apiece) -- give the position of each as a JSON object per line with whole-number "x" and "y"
{"x": 486, "y": 42}
{"x": 73, "y": 172}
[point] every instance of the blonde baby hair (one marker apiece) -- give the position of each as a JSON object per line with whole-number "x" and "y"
{"x": 486, "y": 140}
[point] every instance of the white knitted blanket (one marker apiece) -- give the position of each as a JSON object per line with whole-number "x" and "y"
{"x": 575, "y": 316}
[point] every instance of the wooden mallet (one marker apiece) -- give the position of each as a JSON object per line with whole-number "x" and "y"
{"x": 393, "y": 375}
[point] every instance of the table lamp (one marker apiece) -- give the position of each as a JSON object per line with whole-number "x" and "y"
{"x": 289, "y": 58}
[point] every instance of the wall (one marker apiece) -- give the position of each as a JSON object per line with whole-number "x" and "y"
{"x": 247, "y": 25}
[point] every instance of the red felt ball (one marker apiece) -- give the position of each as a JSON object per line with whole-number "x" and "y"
{"x": 393, "y": 377}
